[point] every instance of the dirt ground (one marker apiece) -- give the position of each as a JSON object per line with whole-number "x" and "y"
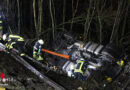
{"x": 23, "y": 79}
{"x": 26, "y": 80}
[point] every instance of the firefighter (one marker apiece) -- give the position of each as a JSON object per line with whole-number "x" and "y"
{"x": 3, "y": 26}
{"x": 14, "y": 41}
{"x": 37, "y": 50}
{"x": 79, "y": 69}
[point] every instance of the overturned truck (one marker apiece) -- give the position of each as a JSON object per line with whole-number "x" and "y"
{"x": 103, "y": 63}
{"x": 99, "y": 59}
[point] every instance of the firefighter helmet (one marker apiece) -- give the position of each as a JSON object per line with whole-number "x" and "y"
{"x": 41, "y": 41}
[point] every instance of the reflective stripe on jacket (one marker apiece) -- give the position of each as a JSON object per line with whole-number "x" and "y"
{"x": 15, "y": 37}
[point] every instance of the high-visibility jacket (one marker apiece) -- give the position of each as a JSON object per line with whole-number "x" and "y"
{"x": 79, "y": 67}
{"x": 13, "y": 39}
{"x": 37, "y": 48}
{"x": 37, "y": 51}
